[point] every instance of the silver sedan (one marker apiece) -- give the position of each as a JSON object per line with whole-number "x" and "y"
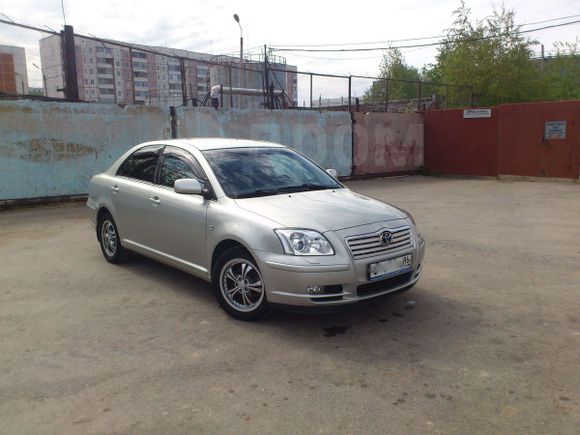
{"x": 260, "y": 221}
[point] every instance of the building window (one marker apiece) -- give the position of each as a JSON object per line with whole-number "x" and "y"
{"x": 103, "y": 50}
{"x": 118, "y": 73}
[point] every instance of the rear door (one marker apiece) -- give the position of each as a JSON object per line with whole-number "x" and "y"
{"x": 130, "y": 194}
{"x": 178, "y": 221}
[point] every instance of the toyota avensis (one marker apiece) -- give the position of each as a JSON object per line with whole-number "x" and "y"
{"x": 260, "y": 221}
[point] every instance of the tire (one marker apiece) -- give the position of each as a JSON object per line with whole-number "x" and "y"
{"x": 238, "y": 285}
{"x": 110, "y": 241}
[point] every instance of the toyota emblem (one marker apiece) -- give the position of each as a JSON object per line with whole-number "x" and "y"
{"x": 386, "y": 237}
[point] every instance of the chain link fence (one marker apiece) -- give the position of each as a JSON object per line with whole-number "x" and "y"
{"x": 23, "y": 71}
{"x": 43, "y": 63}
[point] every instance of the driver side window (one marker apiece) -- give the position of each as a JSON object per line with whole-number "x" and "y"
{"x": 174, "y": 168}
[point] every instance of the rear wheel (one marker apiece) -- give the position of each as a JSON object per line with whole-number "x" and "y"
{"x": 238, "y": 285}
{"x": 110, "y": 241}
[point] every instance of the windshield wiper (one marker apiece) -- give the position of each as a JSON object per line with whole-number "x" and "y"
{"x": 285, "y": 189}
{"x": 305, "y": 186}
{"x": 258, "y": 192}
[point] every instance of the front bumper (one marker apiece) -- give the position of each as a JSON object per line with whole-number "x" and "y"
{"x": 287, "y": 278}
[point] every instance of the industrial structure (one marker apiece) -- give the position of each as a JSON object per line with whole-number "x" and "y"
{"x": 110, "y": 71}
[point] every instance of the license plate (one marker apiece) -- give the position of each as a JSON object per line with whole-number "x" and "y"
{"x": 392, "y": 267}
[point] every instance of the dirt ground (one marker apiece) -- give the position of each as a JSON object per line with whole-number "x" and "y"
{"x": 487, "y": 342}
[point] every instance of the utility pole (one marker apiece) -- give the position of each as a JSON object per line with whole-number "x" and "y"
{"x": 71, "y": 87}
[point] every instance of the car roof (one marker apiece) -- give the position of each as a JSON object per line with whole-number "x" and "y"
{"x": 204, "y": 144}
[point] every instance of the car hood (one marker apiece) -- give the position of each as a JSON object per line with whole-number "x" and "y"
{"x": 321, "y": 210}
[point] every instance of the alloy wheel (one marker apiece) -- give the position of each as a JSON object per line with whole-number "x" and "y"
{"x": 241, "y": 285}
{"x": 109, "y": 238}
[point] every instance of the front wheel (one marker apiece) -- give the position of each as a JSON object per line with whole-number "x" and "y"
{"x": 110, "y": 241}
{"x": 238, "y": 285}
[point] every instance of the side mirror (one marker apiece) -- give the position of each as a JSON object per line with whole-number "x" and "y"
{"x": 332, "y": 173}
{"x": 188, "y": 186}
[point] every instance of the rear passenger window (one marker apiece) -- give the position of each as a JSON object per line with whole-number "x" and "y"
{"x": 141, "y": 164}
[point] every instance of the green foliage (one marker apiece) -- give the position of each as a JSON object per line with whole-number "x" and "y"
{"x": 394, "y": 68}
{"x": 561, "y": 72}
{"x": 491, "y": 57}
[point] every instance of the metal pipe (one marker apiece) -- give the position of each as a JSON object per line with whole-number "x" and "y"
{"x": 349, "y": 90}
{"x": 311, "y": 91}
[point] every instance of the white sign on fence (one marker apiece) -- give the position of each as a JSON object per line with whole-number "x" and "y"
{"x": 555, "y": 130}
{"x": 476, "y": 113}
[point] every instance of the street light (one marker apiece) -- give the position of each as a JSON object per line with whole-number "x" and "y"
{"x": 242, "y": 72}
{"x": 237, "y": 18}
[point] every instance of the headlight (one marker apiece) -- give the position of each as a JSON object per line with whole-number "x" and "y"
{"x": 304, "y": 242}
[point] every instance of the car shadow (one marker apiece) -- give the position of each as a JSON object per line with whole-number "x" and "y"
{"x": 408, "y": 326}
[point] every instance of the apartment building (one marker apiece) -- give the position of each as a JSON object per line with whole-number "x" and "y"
{"x": 13, "y": 73}
{"x": 111, "y": 72}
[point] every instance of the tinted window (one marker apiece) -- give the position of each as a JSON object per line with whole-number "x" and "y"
{"x": 247, "y": 172}
{"x": 174, "y": 168}
{"x": 141, "y": 164}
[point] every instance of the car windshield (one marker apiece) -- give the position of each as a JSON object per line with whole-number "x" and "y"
{"x": 251, "y": 172}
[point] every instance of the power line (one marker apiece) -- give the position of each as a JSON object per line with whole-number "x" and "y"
{"x": 422, "y": 38}
{"x": 63, "y": 14}
{"x": 430, "y": 44}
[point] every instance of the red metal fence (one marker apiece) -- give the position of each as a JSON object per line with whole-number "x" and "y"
{"x": 454, "y": 145}
{"x": 529, "y": 139}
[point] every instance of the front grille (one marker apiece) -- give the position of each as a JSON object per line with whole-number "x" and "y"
{"x": 367, "y": 245}
{"x": 386, "y": 284}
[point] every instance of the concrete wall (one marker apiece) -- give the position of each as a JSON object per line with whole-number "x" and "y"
{"x": 454, "y": 145}
{"x": 388, "y": 143}
{"x": 52, "y": 149}
{"x": 326, "y": 137}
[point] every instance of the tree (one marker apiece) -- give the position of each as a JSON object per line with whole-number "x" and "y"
{"x": 489, "y": 55}
{"x": 562, "y": 72}
{"x": 393, "y": 67}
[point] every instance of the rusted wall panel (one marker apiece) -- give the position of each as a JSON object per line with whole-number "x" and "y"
{"x": 523, "y": 149}
{"x": 388, "y": 143}
{"x": 52, "y": 149}
{"x": 454, "y": 145}
{"x": 326, "y": 137}
{"x": 511, "y": 142}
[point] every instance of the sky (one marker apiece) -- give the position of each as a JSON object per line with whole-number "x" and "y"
{"x": 208, "y": 26}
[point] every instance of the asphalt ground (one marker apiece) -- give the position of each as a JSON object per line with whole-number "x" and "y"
{"x": 487, "y": 342}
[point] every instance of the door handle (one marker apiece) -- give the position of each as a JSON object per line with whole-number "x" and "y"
{"x": 115, "y": 188}
{"x": 155, "y": 200}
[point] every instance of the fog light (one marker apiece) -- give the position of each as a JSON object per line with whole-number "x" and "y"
{"x": 315, "y": 290}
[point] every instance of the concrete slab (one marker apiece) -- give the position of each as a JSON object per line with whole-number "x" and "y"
{"x": 488, "y": 342}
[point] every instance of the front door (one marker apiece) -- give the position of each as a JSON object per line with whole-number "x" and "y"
{"x": 178, "y": 221}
